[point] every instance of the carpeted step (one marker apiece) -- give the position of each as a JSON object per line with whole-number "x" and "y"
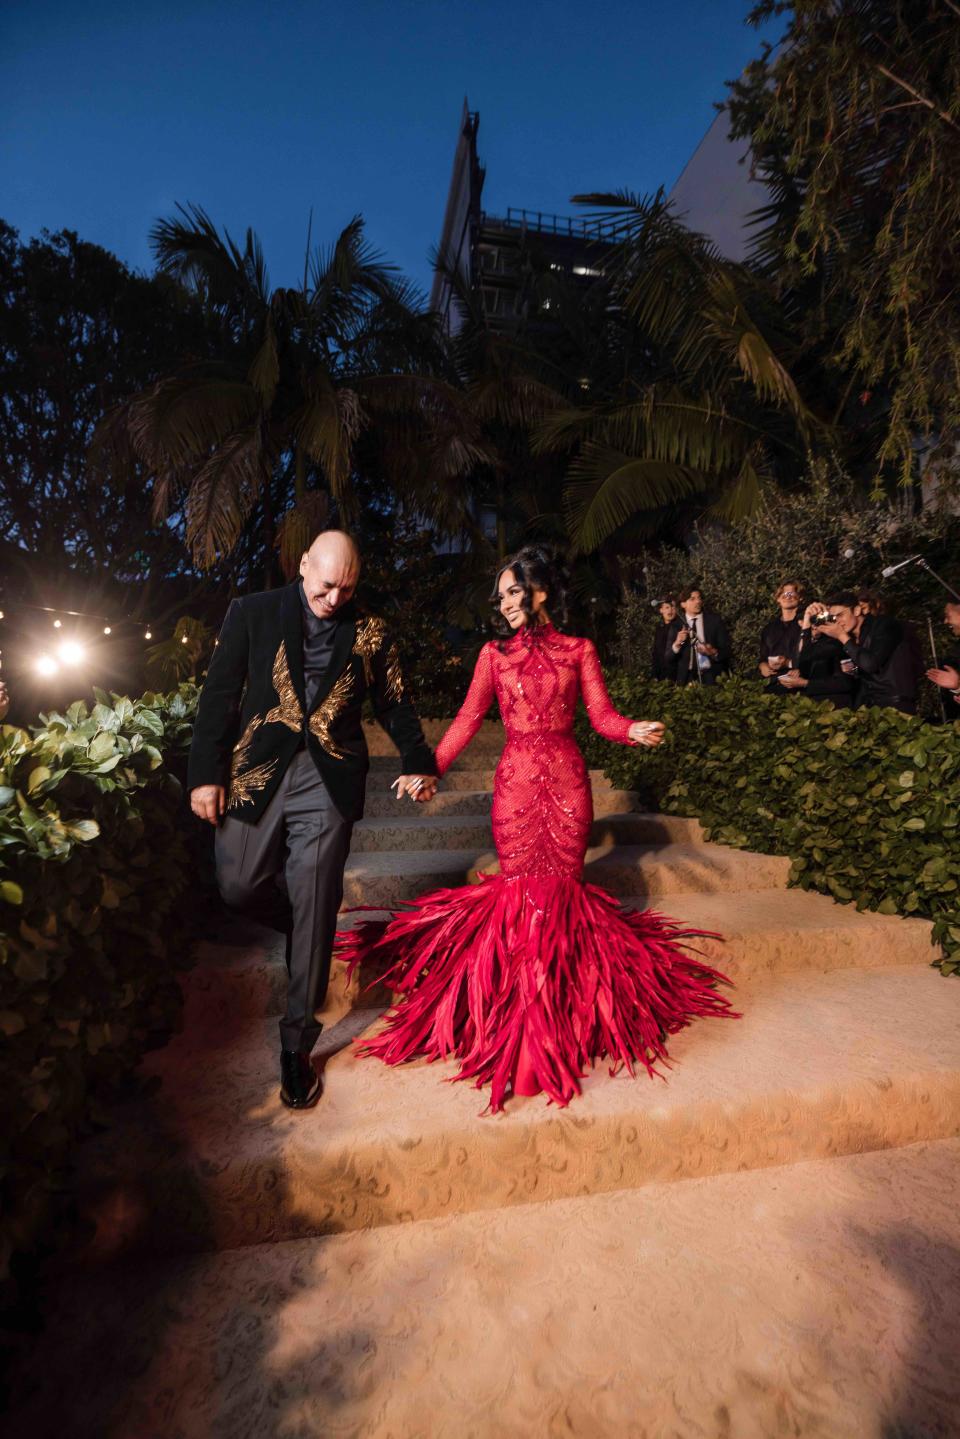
{"x": 766, "y": 934}
{"x": 425, "y": 830}
{"x": 816, "y": 1300}
{"x": 388, "y": 877}
{"x": 828, "y": 1064}
{"x": 489, "y": 739}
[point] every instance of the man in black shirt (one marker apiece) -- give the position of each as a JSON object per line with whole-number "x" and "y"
{"x": 661, "y": 661}
{"x": 822, "y": 671}
{"x": 780, "y": 639}
{"x": 279, "y": 764}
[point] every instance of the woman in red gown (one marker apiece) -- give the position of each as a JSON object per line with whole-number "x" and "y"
{"x": 530, "y": 975}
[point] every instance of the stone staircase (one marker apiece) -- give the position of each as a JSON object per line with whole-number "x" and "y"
{"x": 395, "y": 1263}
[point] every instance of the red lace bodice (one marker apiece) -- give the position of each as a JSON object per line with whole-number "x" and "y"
{"x": 542, "y": 805}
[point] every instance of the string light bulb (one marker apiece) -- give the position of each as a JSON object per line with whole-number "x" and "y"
{"x": 148, "y": 634}
{"x": 1, "y": 614}
{"x": 106, "y": 629}
{"x": 58, "y": 624}
{"x": 184, "y": 640}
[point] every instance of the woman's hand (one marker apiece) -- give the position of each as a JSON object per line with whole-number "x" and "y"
{"x": 648, "y": 733}
{"x": 420, "y": 787}
{"x": 793, "y": 680}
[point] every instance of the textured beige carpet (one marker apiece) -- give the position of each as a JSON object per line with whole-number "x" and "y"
{"x": 820, "y": 1299}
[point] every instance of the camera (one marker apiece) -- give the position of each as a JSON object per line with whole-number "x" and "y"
{"x": 824, "y": 618}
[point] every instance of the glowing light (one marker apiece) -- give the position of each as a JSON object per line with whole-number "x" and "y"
{"x": 106, "y": 629}
{"x": 1, "y": 614}
{"x": 57, "y": 624}
{"x": 70, "y": 652}
{"x": 184, "y": 640}
{"x": 148, "y": 634}
{"x": 46, "y": 665}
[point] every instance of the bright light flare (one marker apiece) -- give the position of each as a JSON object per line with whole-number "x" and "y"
{"x": 71, "y": 653}
{"x": 46, "y": 665}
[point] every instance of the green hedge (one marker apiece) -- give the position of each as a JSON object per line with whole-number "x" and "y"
{"x": 94, "y": 866}
{"x": 866, "y": 802}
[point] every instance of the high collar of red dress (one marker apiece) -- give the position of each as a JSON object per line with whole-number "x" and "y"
{"x": 529, "y": 637}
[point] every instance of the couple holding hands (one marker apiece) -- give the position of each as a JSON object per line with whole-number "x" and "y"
{"x": 527, "y": 977}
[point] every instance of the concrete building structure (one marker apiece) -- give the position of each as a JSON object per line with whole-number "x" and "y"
{"x": 495, "y": 258}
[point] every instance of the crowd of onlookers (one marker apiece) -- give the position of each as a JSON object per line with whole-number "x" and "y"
{"x": 845, "y": 648}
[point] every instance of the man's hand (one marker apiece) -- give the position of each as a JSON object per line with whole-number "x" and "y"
{"x": 420, "y": 787}
{"x": 836, "y": 632}
{"x": 209, "y": 801}
{"x": 792, "y": 680}
{"x": 706, "y": 649}
{"x": 681, "y": 640}
{"x": 948, "y": 678}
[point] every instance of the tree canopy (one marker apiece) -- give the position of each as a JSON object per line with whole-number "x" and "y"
{"x": 854, "y": 125}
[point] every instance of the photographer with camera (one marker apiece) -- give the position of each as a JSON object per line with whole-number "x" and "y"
{"x": 878, "y": 646}
{"x": 823, "y": 669}
{"x": 780, "y": 640}
{"x": 661, "y": 661}
{"x": 700, "y": 644}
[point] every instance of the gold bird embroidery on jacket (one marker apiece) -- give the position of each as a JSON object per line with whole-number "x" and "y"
{"x": 329, "y": 712}
{"x": 370, "y": 636}
{"x": 288, "y": 711}
{"x": 394, "y": 675}
{"x": 243, "y": 786}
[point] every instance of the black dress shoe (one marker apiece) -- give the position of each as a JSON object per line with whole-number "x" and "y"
{"x": 299, "y": 1081}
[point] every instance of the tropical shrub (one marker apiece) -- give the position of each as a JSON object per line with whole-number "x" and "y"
{"x": 94, "y": 869}
{"x": 865, "y": 802}
{"x": 826, "y": 537}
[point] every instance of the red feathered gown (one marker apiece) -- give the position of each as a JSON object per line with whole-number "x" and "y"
{"x": 530, "y": 975}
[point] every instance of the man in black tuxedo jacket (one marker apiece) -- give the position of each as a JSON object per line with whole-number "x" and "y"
{"x": 699, "y": 644}
{"x": 279, "y": 763}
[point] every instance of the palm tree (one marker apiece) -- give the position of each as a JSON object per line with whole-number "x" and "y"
{"x": 690, "y": 396}
{"x": 347, "y": 368}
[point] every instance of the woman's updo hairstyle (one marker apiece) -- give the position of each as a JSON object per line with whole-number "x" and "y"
{"x": 535, "y": 567}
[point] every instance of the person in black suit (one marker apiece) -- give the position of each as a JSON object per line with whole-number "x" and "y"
{"x": 279, "y": 763}
{"x": 780, "y": 638}
{"x": 878, "y": 646}
{"x": 661, "y": 661}
{"x": 822, "y": 669}
{"x": 699, "y": 642}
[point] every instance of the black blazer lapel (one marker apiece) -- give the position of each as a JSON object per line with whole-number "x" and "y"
{"x": 293, "y": 639}
{"x": 343, "y": 641}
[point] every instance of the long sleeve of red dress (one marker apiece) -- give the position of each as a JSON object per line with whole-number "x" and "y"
{"x": 471, "y": 714}
{"x": 605, "y": 719}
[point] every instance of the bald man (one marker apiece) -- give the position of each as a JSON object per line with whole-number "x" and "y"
{"x": 279, "y": 763}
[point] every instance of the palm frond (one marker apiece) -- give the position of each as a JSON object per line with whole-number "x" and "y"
{"x": 222, "y": 495}
{"x": 299, "y": 526}
{"x": 607, "y": 488}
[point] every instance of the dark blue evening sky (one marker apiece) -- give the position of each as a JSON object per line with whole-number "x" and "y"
{"x": 111, "y": 113}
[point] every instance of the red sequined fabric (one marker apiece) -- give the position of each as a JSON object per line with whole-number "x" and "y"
{"x": 532, "y": 974}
